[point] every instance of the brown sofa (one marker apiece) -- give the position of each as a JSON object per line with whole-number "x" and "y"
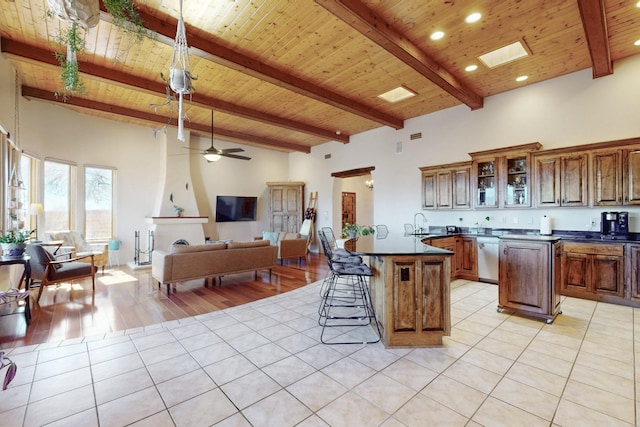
{"x": 184, "y": 263}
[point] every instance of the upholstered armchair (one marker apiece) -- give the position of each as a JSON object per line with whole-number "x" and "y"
{"x": 292, "y": 245}
{"x": 46, "y": 269}
{"x": 81, "y": 249}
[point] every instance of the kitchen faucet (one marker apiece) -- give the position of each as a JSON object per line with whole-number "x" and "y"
{"x": 417, "y": 230}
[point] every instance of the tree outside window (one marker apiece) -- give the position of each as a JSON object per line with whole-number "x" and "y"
{"x": 98, "y": 202}
{"x": 57, "y": 195}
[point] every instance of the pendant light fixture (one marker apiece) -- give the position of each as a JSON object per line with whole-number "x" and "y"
{"x": 179, "y": 74}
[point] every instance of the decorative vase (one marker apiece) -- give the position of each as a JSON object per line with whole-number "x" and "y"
{"x": 13, "y": 250}
{"x": 352, "y": 234}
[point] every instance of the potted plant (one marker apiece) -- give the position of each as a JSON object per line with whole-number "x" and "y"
{"x": 352, "y": 231}
{"x": 14, "y": 242}
{"x": 480, "y": 225}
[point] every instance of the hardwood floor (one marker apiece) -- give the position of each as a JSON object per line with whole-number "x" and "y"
{"x": 126, "y": 299}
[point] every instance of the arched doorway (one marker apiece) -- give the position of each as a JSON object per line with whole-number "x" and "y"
{"x": 352, "y": 197}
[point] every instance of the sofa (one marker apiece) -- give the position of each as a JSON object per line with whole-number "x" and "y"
{"x": 75, "y": 246}
{"x": 290, "y": 245}
{"x": 190, "y": 262}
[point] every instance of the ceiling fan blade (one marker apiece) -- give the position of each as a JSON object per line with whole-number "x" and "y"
{"x": 235, "y": 156}
{"x": 191, "y": 148}
{"x": 232, "y": 150}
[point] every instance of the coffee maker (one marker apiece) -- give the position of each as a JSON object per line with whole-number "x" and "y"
{"x": 614, "y": 225}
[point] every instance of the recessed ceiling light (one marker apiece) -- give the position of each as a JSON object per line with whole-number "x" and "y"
{"x": 397, "y": 94}
{"x": 504, "y": 55}
{"x": 437, "y": 35}
{"x": 637, "y": 43}
{"x": 638, "y": 4}
{"x": 471, "y": 67}
{"x": 474, "y": 17}
{"x": 521, "y": 78}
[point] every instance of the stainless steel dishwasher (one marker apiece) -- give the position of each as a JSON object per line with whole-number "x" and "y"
{"x": 487, "y": 259}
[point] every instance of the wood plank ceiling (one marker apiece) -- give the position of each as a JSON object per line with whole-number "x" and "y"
{"x": 292, "y": 74}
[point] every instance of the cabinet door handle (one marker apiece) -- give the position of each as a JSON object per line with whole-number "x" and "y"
{"x": 557, "y": 201}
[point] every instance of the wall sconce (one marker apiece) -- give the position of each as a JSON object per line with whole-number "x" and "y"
{"x": 369, "y": 184}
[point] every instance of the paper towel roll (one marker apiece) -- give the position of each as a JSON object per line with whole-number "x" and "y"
{"x": 545, "y": 226}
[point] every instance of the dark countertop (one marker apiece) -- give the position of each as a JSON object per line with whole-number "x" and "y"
{"x": 395, "y": 244}
{"x": 568, "y": 235}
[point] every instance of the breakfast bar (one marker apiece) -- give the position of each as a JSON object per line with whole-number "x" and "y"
{"x": 409, "y": 289}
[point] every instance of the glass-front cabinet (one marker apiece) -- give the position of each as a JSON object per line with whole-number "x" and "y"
{"x": 502, "y": 177}
{"x": 518, "y": 190}
{"x": 486, "y": 192}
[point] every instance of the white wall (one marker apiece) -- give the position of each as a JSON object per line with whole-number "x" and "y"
{"x": 570, "y": 110}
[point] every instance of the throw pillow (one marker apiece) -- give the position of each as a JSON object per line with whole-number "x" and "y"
{"x": 272, "y": 237}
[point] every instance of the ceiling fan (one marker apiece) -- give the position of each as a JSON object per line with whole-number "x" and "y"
{"x": 213, "y": 154}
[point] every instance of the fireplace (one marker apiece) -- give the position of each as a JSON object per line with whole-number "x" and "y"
{"x": 175, "y": 195}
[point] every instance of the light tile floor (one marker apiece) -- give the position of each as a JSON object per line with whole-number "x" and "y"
{"x": 261, "y": 364}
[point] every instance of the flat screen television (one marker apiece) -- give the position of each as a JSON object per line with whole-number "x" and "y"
{"x": 236, "y": 208}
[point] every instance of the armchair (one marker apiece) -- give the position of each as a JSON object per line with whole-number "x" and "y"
{"x": 49, "y": 271}
{"x": 292, "y": 245}
{"x": 82, "y": 249}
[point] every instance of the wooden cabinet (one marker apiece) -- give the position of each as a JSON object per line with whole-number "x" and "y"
{"x": 286, "y": 206}
{"x": 528, "y": 277}
{"x": 502, "y": 178}
{"x": 446, "y": 186}
{"x": 632, "y": 273}
{"x": 450, "y": 244}
{"x": 464, "y": 262}
{"x": 606, "y": 169}
{"x": 467, "y": 258}
{"x": 561, "y": 180}
{"x": 631, "y": 176}
{"x": 593, "y": 271}
{"x": 411, "y": 297}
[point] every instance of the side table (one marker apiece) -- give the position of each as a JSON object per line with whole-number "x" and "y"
{"x": 16, "y": 296}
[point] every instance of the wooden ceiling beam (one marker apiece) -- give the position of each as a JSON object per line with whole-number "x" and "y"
{"x": 223, "y": 134}
{"x": 594, "y": 22}
{"x": 207, "y": 48}
{"x": 39, "y": 55}
{"x": 355, "y": 14}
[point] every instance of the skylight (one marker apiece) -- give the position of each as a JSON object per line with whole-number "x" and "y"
{"x": 397, "y": 94}
{"x": 504, "y": 55}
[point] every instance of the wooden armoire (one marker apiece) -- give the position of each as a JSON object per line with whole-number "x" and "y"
{"x": 286, "y": 206}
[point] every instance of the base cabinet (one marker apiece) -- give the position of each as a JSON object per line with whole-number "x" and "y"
{"x": 593, "y": 271}
{"x": 411, "y": 297}
{"x": 528, "y": 278}
{"x": 464, "y": 263}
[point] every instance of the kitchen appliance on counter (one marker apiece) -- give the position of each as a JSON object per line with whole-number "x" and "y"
{"x": 614, "y": 225}
{"x": 452, "y": 229}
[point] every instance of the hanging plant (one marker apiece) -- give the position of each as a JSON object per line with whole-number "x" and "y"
{"x": 73, "y": 38}
{"x": 126, "y": 17}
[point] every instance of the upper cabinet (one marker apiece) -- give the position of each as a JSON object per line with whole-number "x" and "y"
{"x": 561, "y": 180}
{"x": 446, "y": 186}
{"x": 631, "y": 176}
{"x": 502, "y": 177}
{"x": 523, "y": 176}
{"x": 606, "y": 167}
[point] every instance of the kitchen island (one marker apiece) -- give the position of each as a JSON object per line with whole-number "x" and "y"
{"x": 409, "y": 289}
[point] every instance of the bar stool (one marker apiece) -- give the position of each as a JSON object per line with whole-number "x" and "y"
{"x": 346, "y": 301}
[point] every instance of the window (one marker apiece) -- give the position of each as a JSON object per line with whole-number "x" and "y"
{"x": 58, "y": 179}
{"x": 98, "y": 202}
